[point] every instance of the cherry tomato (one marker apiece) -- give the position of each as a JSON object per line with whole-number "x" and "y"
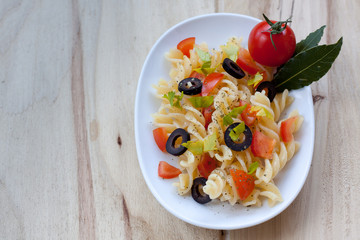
{"x": 210, "y": 82}
{"x": 206, "y": 165}
{"x": 246, "y": 62}
{"x": 207, "y": 112}
{"x": 287, "y": 129}
{"x": 263, "y": 51}
{"x": 160, "y": 136}
{"x": 167, "y": 171}
{"x": 262, "y": 145}
{"x": 186, "y": 45}
{"x": 245, "y": 183}
{"x": 247, "y": 115}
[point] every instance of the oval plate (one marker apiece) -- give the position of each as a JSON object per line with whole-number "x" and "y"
{"x": 215, "y": 30}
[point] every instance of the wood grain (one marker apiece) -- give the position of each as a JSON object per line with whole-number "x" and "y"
{"x": 68, "y": 78}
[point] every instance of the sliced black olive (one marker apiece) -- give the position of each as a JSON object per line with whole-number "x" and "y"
{"x": 170, "y": 144}
{"x": 232, "y": 68}
{"x": 190, "y": 86}
{"x": 199, "y": 196}
{"x": 238, "y": 146}
{"x": 270, "y": 87}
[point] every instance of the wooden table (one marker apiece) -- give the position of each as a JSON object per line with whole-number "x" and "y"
{"x": 68, "y": 163}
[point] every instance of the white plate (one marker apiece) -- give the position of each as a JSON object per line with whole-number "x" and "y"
{"x": 215, "y": 29}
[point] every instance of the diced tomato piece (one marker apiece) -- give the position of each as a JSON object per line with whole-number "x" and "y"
{"x": 161, "y": 137}
{"x": 206, "y": 165}
{"x": 247, "y": 115}
{"x": 195, "y": 74}
{"x": 246, "y": 62}
{"x": 245, "y": 183}
{"x": 262, "y": 145}
{"x": 210, "y": 82}
{"x": 186, "y": 45}
{"x": 287, "y": 129}
{"x": 207, "y": 112}
{"x": 167, "y": 171}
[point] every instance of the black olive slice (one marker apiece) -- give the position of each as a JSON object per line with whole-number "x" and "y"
{"x": 238, "y": 146}
{"x": 198, "y": 196}
{"x": 170, "y": 144}
{"x": 232, "y": 68}
{"x": 270, "y": 87}
{"x": 190, "y": 86}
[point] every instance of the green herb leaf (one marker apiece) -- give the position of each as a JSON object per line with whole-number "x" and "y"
{"x": 204, "y": 56}
{"x": 171, "y": 96}
{"x": 310, "y": 41}
{"x": 210, "y": 142}
{"x": 253, "y": 167}
{"x": 202, "y": 102}
{"x": 194, "y": 147}
{"x": 227, "y": 119}
{"x": 236, "y": 131}
{"x": 307, "y": 67}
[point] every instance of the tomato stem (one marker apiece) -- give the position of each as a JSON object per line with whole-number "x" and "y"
{"x": 276, "y": 28}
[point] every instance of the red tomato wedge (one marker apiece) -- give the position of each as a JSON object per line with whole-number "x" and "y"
{"x": 246, "y": 62}
{"x": 207, "y": 112}
{"x": 210, "y": 82}
{"x": 167, "y": 171}
{"x": 186, "y": 45}
{"x": 161, "y": 137}
{"x": 206, "y": 165}
{"x": 262, "y": 145}
{"x": 247, "y": 115}
{"x": 244, "y": 183}
{"x": 287, "y": 129}
{"x": 195, "y": 74}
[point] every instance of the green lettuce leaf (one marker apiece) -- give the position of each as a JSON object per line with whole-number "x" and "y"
{"x": 236, "y": 131}
{"x": 231, "y": 50}
{"x": 210, "y": 142}
{"x": 228, "y": 118}
{"x": 261, "y": 112}
{"x": 253, "y": 167}
{"x": 256, "y": 79}
{"x": 204, "y": 56}
{"x": 194, "y": 147}
{"x": 201, "y": 146}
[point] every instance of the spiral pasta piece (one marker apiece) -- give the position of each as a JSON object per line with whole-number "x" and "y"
{"x": 215, "y": 183}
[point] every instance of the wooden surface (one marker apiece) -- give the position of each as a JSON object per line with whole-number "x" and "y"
{"x": 68, "y": 163}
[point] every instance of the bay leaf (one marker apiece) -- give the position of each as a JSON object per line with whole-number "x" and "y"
{"x": 306, "y": 67}
{"x": 310, "y": 41}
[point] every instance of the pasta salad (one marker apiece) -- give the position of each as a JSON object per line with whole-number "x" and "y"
{"x": 207, "y": 127}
